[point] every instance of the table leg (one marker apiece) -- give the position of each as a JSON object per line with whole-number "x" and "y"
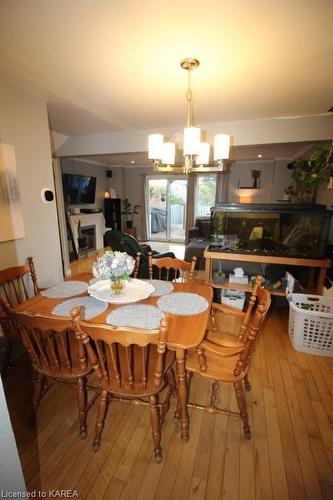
{"x": 182, "y": 394}
{"x": 321, "y": 280}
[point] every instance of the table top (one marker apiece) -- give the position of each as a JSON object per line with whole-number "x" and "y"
{"x": 184, "y": 332}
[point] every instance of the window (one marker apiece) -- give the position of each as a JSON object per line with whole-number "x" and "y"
{"x": 205, "y": 195}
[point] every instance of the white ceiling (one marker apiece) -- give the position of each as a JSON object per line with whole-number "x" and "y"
{"x": 113, "y": 65}
{"x": 282, "y": 151}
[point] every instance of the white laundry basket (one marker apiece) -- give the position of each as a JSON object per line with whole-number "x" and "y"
{"x": 311, "y": 323}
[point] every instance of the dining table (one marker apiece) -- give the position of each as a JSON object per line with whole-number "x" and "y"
{"x": 184, "y": 331}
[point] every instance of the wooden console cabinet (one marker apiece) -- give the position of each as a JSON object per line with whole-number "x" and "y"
{"x": 320, "y": 264}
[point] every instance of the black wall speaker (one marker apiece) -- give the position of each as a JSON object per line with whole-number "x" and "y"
{"x": 47, "y": 195}
{"x": 109, "y": 173}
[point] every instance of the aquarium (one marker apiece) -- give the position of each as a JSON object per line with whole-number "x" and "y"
{"x": 287, "y": 230}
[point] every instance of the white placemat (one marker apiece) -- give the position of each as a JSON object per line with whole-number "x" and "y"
{"x": 182, "y": 304}
{"x": 65, "y": 289}
{"x": 136, "y": 316}
{"x": 161, "y": 287}
{"x": 92, "y": 307}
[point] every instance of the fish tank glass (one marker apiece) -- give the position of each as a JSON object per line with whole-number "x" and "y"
{"x": 286, "y": 230}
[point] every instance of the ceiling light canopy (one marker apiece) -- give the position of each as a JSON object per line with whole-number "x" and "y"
{"x": 196, "y": 153}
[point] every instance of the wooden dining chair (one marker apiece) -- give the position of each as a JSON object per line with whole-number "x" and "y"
{"x": 230, "y": 363}
{"x": 234, "y": 335}
{"x": 131, "y": 365}
{"x": 56, "y": 355}
{"x": 14, "y": 286}
{"x": 17, "y": 284}
{"x": 170, "y": 269}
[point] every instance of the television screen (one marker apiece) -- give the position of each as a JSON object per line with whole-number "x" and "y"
{"x": 78, "y": 189}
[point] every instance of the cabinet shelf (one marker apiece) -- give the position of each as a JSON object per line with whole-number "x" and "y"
{"x": 244, "y": 288}
{"x": 313, "y": 264}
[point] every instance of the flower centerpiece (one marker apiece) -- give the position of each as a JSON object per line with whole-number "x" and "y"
{"x": 116, "y": 267}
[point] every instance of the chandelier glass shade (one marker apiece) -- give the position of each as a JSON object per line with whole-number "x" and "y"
{"x": 196, "y": 153}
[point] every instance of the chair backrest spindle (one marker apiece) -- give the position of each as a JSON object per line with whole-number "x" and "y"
{"x": 50, "y": 342}
{"x": 137, "y": 265}
{"x": 171, "y": 269}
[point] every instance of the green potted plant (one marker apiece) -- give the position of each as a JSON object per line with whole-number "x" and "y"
{"x": 309, "y": 174}
{"x": 129, "y": 212}
{"x": 219, "y": 275}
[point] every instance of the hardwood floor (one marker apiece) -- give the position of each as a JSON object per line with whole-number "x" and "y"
{"x": 290, "y": 455}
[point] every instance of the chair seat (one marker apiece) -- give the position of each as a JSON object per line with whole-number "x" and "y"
{"x": 224, "y": 339}
{"x": 64, "y": 373}
{"x": 217, "y": 368}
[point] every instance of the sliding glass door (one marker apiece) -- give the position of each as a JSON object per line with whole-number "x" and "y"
{"x": 167, "y": 208}
{"x": 177, "y": 209}
{"x": 157, "y": 208}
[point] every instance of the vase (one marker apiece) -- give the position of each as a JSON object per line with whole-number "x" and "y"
{"x": 117, "y": 286}
{"x": 219, "y": 279}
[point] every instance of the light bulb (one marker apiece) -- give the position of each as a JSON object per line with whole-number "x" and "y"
{"x": 203, "y": 156}
{"x": 221, "y": 147}
{"x": 191, "y": 142}
{"x": 155, "y": 146}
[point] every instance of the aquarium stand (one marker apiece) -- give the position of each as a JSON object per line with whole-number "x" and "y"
{"x": 320, "y": 264}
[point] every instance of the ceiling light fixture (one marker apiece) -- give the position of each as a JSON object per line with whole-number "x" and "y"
{"x": 196, "y": 153}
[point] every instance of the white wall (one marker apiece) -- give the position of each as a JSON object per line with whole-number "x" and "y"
{"x": 57, "y": 140}
{"x": 274, "y": 178}
{"x": 24, "y": 124}
{"x": 116, "y": 181}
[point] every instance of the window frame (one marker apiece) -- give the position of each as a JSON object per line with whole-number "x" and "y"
{"x": 196, "y": 193}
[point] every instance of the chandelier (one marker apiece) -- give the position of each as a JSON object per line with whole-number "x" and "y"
{"x": 196, "y": 153}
